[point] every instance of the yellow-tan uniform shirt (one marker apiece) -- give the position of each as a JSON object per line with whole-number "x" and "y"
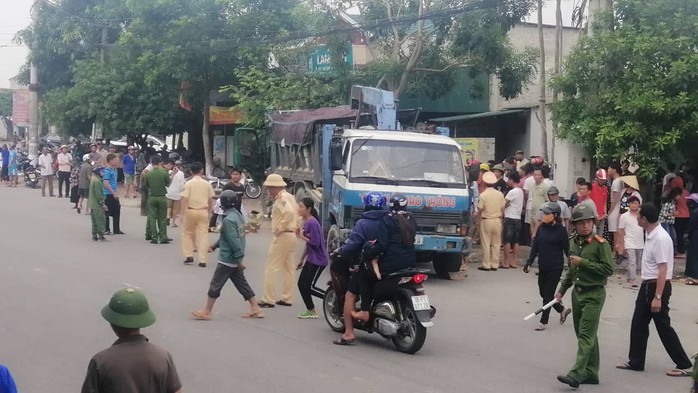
{"x": 284, "y": 214}
{"x": 198, "y": 193}
{"x": 491, "y": 203}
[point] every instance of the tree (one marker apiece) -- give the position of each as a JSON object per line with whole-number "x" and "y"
{"x": 202, "y": 42}
{"x": 418, "y": 44}
{"x": 5, "y": 103}
{"x": 630, "y": 88}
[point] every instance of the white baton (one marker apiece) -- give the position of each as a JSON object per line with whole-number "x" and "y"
{"x": 540, "y": 310}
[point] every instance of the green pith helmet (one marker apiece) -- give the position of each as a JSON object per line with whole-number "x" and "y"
{"x": 128, "y": 308}
{"x": 498, "y": 167}
{"x": 581, "y": 213}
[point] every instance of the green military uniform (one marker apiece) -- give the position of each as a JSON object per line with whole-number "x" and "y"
{"x": 157, "y": 181}
{"x": 588, "y": 297}
{"x": 95, "y": 201}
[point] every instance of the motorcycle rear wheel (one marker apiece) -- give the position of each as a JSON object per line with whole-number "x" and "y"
{"x": 411, "y": 341}
{"x": 253, "y": 191}
{"x": 330, "y": 306}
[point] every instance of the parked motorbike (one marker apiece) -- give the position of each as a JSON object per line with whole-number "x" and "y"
{"x": 218, "y": 184}
{"x": 400, "y": 311}
{"x": 252, "y": 190}
{"x": 31, "y": 175}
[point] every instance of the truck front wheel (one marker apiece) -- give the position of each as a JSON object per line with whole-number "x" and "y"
{"x": 445, "y": 264}
{"x": 334, "y": 240}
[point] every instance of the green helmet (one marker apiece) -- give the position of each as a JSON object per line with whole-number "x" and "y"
{"x": 128, "y": 308}
{"x": 582, "y": 212}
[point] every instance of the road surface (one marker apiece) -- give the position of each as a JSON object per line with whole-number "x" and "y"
{"x": 54, "y": 280}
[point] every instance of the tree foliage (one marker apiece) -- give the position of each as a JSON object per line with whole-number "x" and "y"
{"x": 420, "y": 56}
{"x": 5, "y": 103}
{"x": 631, "y": 87}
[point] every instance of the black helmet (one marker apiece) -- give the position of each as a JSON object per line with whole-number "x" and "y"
{"x": 551, "y": 208}
{"x": 398, "y": 202}
{"x": 229, "y": 199}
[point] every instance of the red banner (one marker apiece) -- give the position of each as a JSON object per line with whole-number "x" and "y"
{"x": 21, "y": 105}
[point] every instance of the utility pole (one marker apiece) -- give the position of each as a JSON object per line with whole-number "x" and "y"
{"x": 33, "y": 145}
{"x": 98, "y": 128}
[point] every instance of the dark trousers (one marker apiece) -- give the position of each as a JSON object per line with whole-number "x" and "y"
{"x": 113, "y": 210}
{"x": 640, "y": 329}
{"x": 224, "y": 273}
{"x": 213, "y": 222}
{"x": 4, "y": 175}
{"x": 63, "y": 178}
{"x": 547, "y": 284}
{"x": 309, "y": 275}
{"x": 680, "y": 227}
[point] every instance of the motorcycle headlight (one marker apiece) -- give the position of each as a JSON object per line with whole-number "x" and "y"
{"x": 447, "y": 228}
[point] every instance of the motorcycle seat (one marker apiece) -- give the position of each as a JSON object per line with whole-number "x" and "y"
{"x": 408, "y": 272}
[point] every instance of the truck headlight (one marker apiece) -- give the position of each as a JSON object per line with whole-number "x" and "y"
{"x": 447, "y": 228}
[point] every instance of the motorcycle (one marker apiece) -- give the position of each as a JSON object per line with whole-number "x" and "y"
{"x": 400, "y": 311}
{"x": 218, "y": 184}
{"x": 31, "y": 175}
{"x": 252, "y": 190}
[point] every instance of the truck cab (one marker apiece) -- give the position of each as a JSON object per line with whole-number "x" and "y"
{"x": 428, "y": 169}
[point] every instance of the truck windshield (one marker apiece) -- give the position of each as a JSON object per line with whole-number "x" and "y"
{"x": 407, "y": 163}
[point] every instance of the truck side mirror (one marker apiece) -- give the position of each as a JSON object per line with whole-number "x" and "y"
{"x": 336, "y": 156}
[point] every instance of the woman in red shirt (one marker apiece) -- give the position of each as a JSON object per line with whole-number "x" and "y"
{"x": 682, "y": 216}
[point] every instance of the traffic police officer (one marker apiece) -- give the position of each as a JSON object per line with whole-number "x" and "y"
{"x": 591, "y": 263}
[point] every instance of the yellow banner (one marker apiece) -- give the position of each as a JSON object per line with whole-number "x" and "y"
{"x": 469, "y": 148}
{"x": 221, "y": 115}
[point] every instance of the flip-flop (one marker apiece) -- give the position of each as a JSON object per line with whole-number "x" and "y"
{"x": 513, "y": 267}
{"x": 625, "y": 366}
{"x": 564, "y": 314}
{"x": 342, "y": 341}
{"x": 540, "y": 328}
{"x": 677, "y": 372}
{"x": 691, "y": 281}
{"x": 199, "y": 316}
{"x": 504, "y": 267}
{"x": 253, "y": 315}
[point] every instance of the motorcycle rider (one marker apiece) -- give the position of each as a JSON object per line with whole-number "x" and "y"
{"x": 398, "y": 251}
{"x": 367, "y": 228}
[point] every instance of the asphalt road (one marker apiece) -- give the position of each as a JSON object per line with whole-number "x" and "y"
{"x": 54, "y": 280}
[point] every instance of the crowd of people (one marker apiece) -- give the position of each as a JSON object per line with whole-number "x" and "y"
{"x": 604, "y": 224}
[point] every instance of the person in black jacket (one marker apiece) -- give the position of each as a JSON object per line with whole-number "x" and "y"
{"x": 550, "y": 245}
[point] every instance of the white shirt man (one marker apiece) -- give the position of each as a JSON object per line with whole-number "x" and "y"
{"x": 652, "y": 301}
{"x": 46, "y": 164}
{"x": 174, "y": 191}
{"x": 514, "y": 208}
{"x": 65, "y": 161}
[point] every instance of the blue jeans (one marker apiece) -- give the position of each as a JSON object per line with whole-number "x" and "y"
{"x": 672, "y": 232}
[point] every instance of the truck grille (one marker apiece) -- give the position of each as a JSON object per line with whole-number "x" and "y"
{"x": 426, "y": 220}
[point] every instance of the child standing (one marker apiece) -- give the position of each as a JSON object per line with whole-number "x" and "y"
{"x": 631, "y": 239}
{"x": 95, "y": 201}
{"x": 550, "y": 245}
{"x": 314, "y": 258}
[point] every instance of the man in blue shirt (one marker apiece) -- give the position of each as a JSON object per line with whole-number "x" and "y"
{"x": 5, "y": 162}
{"x": 111, "y": 198}
{"x": 129, "y": 165}
{"x": 7, "y": 384}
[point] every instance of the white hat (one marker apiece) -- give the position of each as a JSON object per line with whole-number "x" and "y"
{"x": 86, "y": 157}
{"x": 275, "y": 180}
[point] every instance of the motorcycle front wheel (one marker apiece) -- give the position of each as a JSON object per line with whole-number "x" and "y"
{"x": 412, "y": 334}
{"x": 253, "y": 191}
{"x": 333, "y": 315}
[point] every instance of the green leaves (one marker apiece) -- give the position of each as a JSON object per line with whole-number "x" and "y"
{"x": 631, "y": 90}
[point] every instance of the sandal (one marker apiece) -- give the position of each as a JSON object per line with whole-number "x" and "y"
{"x": 253, "y": 315}
{"x": 343, "y": 341}
{"x": 677, "y": 372}
{"x": 540, "y": 328}
{"x": 626, "y": 366}
{"x": 564, "y": 314}
{"x": 200, "y": 316}
{"x": 691, "y": 281}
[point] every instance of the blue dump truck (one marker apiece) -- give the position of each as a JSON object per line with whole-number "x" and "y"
{"x": 336, "y": 166}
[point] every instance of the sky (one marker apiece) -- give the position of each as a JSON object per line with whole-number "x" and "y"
{"x": 15, "y": 17}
